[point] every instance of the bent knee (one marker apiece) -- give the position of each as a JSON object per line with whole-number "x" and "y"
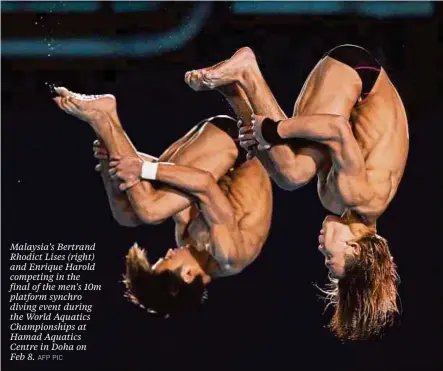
{"x": 332, "y": 88}
{"x": 211, "y": 150}
{"x": 127, "y": 220}
{"x": 151, "y": 217}
{"x": 151, "y": 213}
{"x": 221, "y": 138}
{"x": 294, "y": 177}
{"x": 339, "y": 73}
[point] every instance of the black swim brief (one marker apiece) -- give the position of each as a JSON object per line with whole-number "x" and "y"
{"x": 229, "y": 126}
{"x": 363, "y": 62}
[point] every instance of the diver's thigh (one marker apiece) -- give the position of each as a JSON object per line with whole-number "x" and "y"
{"x": 209, "y": 149}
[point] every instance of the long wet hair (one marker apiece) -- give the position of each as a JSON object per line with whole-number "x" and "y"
{"x": 365, "y": 299}
{"x": 163, "y": 294}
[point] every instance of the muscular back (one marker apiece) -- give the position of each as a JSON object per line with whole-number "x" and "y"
{"x": 379, "y": 125}
{"x": 249, "y": 191}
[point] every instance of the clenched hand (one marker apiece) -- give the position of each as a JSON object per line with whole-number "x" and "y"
{"x": 251, "y": 137}
{"x": 126, "y": 169}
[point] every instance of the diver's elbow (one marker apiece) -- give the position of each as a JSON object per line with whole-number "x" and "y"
{"x": 129, "y": 220}
{"x": 150, "y": 216}
{"x": 292, "y": 178}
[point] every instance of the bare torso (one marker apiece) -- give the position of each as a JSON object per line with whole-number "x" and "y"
{"x": 379, "y": 124}
{"x": 380, "y": 127}
{"x": 249, "y": 191}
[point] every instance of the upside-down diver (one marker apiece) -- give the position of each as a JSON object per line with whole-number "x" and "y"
{"x": 202, "y": 182}
{"x": 349, "y": 127}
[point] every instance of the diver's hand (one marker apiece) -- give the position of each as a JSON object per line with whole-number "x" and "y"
{"x": 100, "y": 153}
{"x": 257, "y": 121}
{"x": 127, "y": 170}
{"x": 248, "y": 146}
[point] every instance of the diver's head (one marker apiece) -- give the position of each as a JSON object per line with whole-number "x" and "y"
{"x": 175, "y": 283}
{"x": 363, "y": 277}
{"x": 338, "y": 241}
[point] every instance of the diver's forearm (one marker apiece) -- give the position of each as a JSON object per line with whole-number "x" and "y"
{"x": 190, "y": 180}
{"x": 321, "y": 128}
{"x": 279, "y": 163}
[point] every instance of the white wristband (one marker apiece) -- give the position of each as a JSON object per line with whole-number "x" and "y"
{"x": 149, "y": 170}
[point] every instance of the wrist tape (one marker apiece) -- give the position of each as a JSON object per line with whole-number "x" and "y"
{"x": 149, "y": 170}
{"x": 270, "y": 133}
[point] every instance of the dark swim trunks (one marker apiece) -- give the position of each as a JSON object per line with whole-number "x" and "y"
{"x": 229, "y": 126}
{"x": 363, "y": 62}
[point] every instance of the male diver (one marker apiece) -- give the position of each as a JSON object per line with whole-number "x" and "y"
{"x": 349, "y": 128}
{"x": 221, "y": 204}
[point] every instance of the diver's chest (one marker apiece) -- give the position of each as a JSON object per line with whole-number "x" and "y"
{"x": 330, "y": 185}
{"x": 199, "y": 233}
{"x": 328, "y": 191}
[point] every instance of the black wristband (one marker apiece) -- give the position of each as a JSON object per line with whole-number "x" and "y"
{"x": 269, "y": 131}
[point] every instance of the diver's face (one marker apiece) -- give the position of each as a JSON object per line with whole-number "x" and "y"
{"x": 179, "y": 260}
{"x": 336, "y": 243}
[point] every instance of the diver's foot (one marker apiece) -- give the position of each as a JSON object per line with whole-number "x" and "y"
{"x": 233, "y": 70}
{"x": 90, "y": 108}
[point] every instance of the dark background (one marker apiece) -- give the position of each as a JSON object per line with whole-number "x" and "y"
{"x": 270, "y": 315}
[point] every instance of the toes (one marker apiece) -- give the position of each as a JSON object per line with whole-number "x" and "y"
{"x": 78, "y": 98}
{"x": 75, "y": 102}
{"x": 62, "y": 91}
{"x": 196, "y": 80}
{"x": 58, "y": 101}
{"x": 195, "y": 77}
{"x": 188, "y": 77}
{"x": 207, "y": 80}
{"x": 68, "y": 105}
{"x": 62, "y": 102}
